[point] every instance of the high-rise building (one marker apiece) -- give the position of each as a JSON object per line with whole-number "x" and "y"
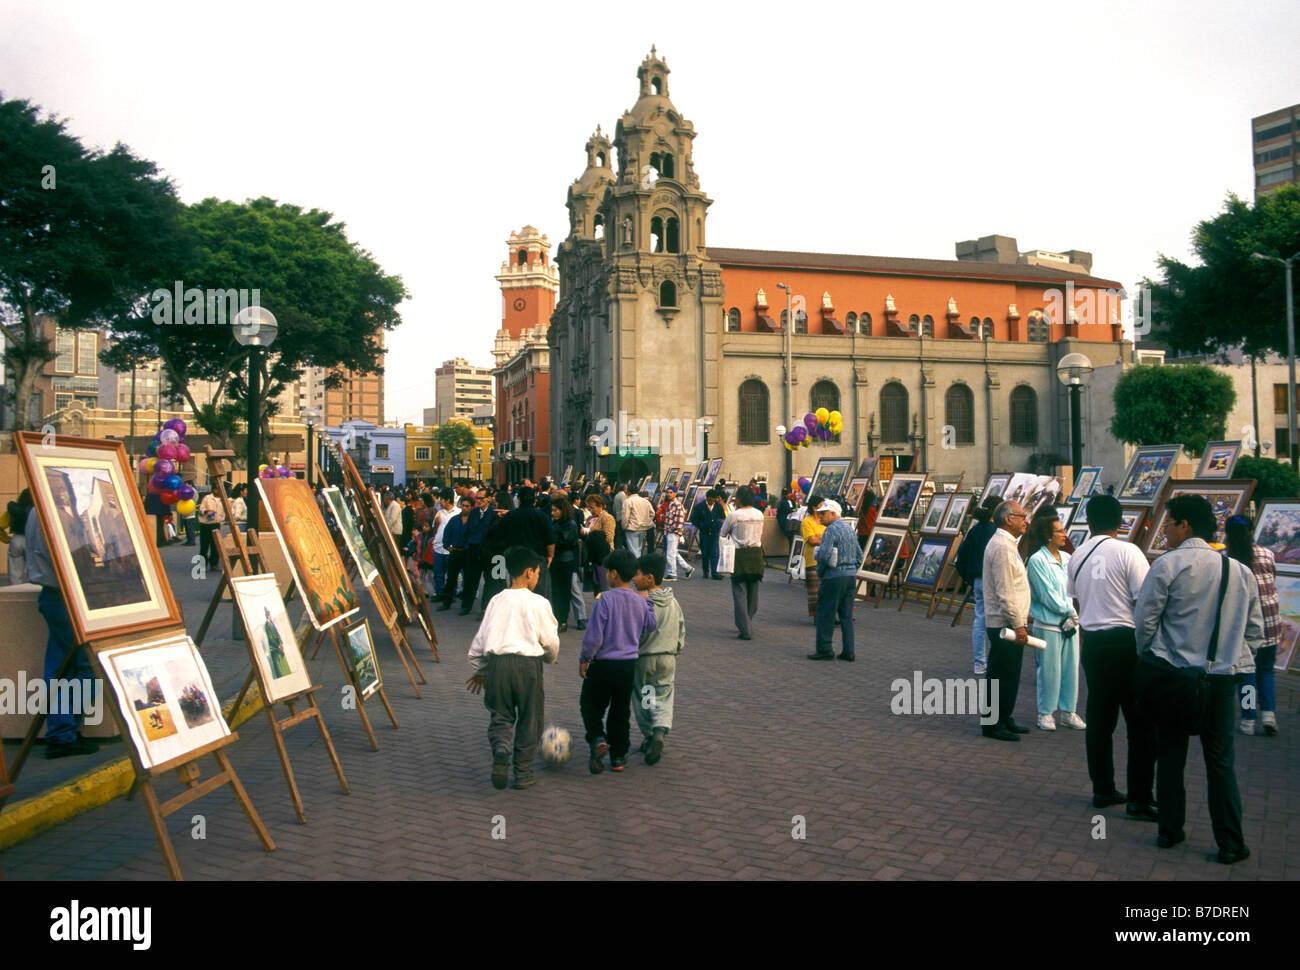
{"x": 460, "y": 387}
{"x": 1275, "y": 139}
{"x": 359, "y": 397}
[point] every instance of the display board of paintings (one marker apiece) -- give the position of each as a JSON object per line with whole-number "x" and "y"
{"x": 881, "y": 554}
{"x": 94, "y": 525}
{"x": 900, "y": 499}
{"x": 280, "y": 666}
{"x": 828, "y": 477}
{"x": 1227, "y": 498}
{"x": 166, "y": 697}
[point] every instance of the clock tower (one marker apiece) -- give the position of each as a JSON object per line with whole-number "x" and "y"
{"x": 528, "y": 281}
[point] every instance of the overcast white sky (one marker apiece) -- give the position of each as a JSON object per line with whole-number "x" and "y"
{"x": 434, "y": 130}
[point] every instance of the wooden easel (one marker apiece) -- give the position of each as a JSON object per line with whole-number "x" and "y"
{"x": 920, "y": 592}
{"x": 949, "y": 581}
{"x": 333, "y": 633}
{"x": 186, "y": 768}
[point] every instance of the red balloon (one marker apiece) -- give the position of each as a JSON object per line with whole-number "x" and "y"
{"x": 169, "y": 497}
{"x": 168, "y": 451}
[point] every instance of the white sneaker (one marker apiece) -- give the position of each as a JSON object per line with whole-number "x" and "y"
{"x": 1073, "y": 720}
{"x": 981, "y": 668}
{"x": 1046, "y": 722}
{"x": 1270, "y": 722}
{"x": 1247, "y": 727}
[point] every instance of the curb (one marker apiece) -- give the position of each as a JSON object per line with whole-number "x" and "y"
{"x": 27, "y": 817}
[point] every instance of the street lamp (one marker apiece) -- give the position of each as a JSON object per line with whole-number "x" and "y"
{"x": 593, "y": 442}
{"x": 1290, "y": 351}
{"x": 785, "y": 339}
{"x": 254, "y": 328}
{"x": 309, "y": 416}
{"x": 789, "y": 456}
{"x": 1074, "y": 371}
{"x": 705, "y": 425}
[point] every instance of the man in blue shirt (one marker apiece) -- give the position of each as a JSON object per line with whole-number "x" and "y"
{"x": 459, "y": 561}
{"x": 838, "y": 557}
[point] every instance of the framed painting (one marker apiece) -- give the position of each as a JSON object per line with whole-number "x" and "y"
{"x": 935, "y": 514}
{"x": 926, "y": 565}
{"x": 363, "y": 666}
{"x": 686, "y": 480}
{"x": 1130, "y": 523}
{"x": 1218, "y": 459}
{"x": 568, "y": 474}
{"x": 995, "y": 486}
{"x": 1288, "y": 600}
{"x": 94, "y": 525}
{"x": 852, "y": 522}
{"x": 166, "y": 697}
{"x": 700, "y": 471}
{"x": 828, "y": 477}
{"x": 715, "y": 467}
{"x": 1227, "y": 498}
{"x": 314, "y": 561}
{"x": 1278, "y": 530}
{"x": 671, "y": 477}
{"x": 1063, "y": 514}
{"x": 760, "y": 477}
{"x": 1085, "y": 484}
{"x": 868, "y": 468}
{"x": 955, "y": 517}
{"x": 280, "y": 667}
{"x": 650, "y": 489}
{"x": 1146, "y": 475}
{"x": 900, "y": 499}
{"x": 405, "y": 590}
{"x": 351, "y": 533}
{"x": 881, "y": 554}
{"x": 1077, "y": 534}
{"x": 853, "y": 494}
{"x": 795, "y": 565}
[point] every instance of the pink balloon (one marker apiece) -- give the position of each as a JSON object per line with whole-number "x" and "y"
{"x": 182, "y": 452}
{"x": 168, "y": 451}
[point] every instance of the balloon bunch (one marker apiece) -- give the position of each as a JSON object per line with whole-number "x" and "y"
{"x": 803, "y": 484}
{"x": 166, "y": 453}
{"x": 273, "y": 471}
{"x": 821, "y": 425}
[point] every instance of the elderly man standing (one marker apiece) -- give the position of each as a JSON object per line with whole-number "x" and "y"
{"x": 1006, "y": 607}
{"x": 838, "y": 557}
{"x": 638, "y": 523}
{"x": 1198, "y": 611}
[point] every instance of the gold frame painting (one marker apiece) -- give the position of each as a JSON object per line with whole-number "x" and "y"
{"x": 360, "y": 662}
{"x": 94, "y": 525}
{"x": 313, "y": 559}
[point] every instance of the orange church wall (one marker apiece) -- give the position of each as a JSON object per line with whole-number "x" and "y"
{"x": 859, "y": 292}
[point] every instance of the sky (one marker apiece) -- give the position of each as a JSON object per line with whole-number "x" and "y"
{"x": 433, "y": 131}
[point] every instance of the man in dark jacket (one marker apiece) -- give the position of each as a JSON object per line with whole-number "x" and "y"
{"x": 530, "y": 527}
{"x": 970, "y": 567}
{"x": 707, "y": 518}
{"x": 456, "y": 540}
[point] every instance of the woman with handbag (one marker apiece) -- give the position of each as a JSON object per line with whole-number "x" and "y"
{"x": 745, "y": 527}
{"x": 1055, "y": 621}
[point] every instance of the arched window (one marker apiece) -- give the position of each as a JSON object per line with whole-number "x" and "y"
{"x": 668, "y": 293}
{"x": 733, "y": 320}
{"x": 974, "y": 324}
{"x": 893, "y": 413}
{"x": 656, "y": 235}
{"x": 959, "y": 411}
{"x": 600, "y": 159}
{"x": 598, "y": 226}
{"x": 800, "y": 321}
{"x": 666, "y": 163}
{"x": 927, "y": 326}
{"x": 522, "y": 257}
{"x": 670, "y": 235}
{"x": 1024, "y": 417}
{"x": 825, "y": 395}
{"x": 657, "y": 85}
{"x": 987, "y": 332}
{"x": 851, "y": 321}
{"x": 864, "y": 323}
{"x": 753, "y": 413}
{"x": 785, "y": 320}
{"x": 914, "y": 323}
{"x": 1037, "y": 326}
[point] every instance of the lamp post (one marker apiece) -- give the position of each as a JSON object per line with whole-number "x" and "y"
{"x": 254, "y": 328}
{"x": 789, "y": 457}
{"x": 785, "y": 340}
{"x": 310, "y": 416}
{"x": 593, "y": 442}
{"x": 1074, "y": 371}
{"x": 705, "y": 425}
{"x": 1290, "y": 352}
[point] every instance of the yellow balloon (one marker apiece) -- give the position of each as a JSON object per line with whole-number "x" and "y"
{"x": 836, "y": 417}
{"x": 185, "y": 506}
{"x": 148, "y": 465}
{"x": 822, "y": 415}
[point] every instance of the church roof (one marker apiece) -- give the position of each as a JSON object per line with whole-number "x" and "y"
{"x": 904, "y": 266}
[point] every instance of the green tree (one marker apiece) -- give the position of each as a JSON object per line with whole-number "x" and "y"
{"x": 1273, "y": 479}
{"x": 457, "y": 439}
{"x": 1185, "y": 404}
{"x": 331, "y": 300}
{"x": 81, "y": 233}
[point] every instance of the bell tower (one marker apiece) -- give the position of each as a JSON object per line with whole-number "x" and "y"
{"x": 528, "y": 282}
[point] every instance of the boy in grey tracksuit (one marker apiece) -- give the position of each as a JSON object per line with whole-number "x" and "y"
{"x": 656, "y": 665}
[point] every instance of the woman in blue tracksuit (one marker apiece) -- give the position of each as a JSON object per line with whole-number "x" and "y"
{"x": 1055, "y": 621}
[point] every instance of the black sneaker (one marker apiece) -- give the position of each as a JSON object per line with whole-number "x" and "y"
{"x": 67, "y": 749}
{"x": 1000, "y": 732}
{"x": 598, "y": 751}
{"x": 500, "y": 769}
{"x": 1105, "y": 801}
{"x": 845, "y": 656}
{"x": 655, "y": 751}
{"x": 617, "y": 764}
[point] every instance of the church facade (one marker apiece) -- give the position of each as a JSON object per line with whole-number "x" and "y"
{"x": 948, "y": 365}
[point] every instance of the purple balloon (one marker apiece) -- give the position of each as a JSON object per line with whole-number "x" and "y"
{"x": 159, "y": 481}
{"x": 168, "y": 437}
{"x": 164, "y": 467}
{"x": 282, "y": 471}
{"x": 177, "y": 425}
{"x": 186, "y": 492}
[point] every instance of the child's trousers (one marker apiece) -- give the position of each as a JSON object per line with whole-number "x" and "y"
{"x": 654, "y": 707}
{"x": 608, "y": 686}
{"x": 513, "y": 695}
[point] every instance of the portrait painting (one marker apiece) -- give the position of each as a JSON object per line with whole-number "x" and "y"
{"x": 318, "y": 571}
{"x": 270, "y": 636}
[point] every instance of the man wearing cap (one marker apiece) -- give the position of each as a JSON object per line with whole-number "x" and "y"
{"x": 837, "y": 559}
{"x": 674, "y": 520}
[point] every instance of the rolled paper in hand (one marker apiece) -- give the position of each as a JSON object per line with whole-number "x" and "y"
{"x": 1037, "y": 644}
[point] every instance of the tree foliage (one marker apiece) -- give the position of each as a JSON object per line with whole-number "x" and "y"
{"x": 1230, "y": 300}
{"x": 1185, "y": 404}
{"x": 457, "y": 439}
{"x": 1273, "y": 479}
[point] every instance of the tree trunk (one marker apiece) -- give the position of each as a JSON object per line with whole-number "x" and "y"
{"x": 27, "y": 359}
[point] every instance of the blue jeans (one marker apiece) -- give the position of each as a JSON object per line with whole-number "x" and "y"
{"x": 439, "y": 572}
{"x": 1262, "y": 680}
{"x": 61, "y": 727}
{"x": 636, "y": 543}
{"x": 979, "y": 642}
{"x": 835, "y": 598}
{"x": 709, "y": 552}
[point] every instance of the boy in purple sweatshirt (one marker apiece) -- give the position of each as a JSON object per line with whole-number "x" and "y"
{"x": 607, "y": 663}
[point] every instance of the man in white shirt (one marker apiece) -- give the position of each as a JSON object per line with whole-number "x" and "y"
{"x": 393, "y": 514}
{"x": 638, "y": 523}
{"x": 1006, "y": 606}
{"x": 745, "y": 527}
{"x": 518, "y": 631}
{"x": 1105, "y": 576}
{"x": 446, "y": 512}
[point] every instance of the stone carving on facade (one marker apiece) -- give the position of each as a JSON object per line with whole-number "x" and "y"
{"x": 712, "y": 283}
{"x": 860, "y": 371}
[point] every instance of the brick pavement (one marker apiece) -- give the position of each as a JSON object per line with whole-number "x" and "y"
{"x": 761, "y": 736}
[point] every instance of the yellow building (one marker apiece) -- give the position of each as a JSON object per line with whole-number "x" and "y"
{"x": 425, "y": 459}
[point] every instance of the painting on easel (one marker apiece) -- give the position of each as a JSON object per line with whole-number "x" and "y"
{"x": 351, "y": 533}
{"x": 279, "y": 661}
{"x": 166, "y": 697}
{"x": 361, "y": 658}
{"x": 313, "y": 559}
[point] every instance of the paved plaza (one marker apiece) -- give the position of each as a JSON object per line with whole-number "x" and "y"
{"x": 766, "y": 746}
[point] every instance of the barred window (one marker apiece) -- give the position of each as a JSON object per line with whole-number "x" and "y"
{"x": 864, "y": 324}
{"x": 851, "y": 321}
{"x": 1024, "y": 417}
{"x": 927, "y": 326}
{"x": 1037, "y": 327}
{"x": 893, "y": 413}
{"x": 914, "y": 323}
{"x": 754, "y": 413}
{"x": 959, "y": 411}
{"x": 800, "y": 321}
{"x": 422, "y": 452}
{"x": 987, "y": 331}
{"x": 825, "y": 395}
{"x": 733, "y": 320}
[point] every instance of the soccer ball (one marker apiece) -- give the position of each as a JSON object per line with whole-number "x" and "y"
{"x": 556, "y": 745}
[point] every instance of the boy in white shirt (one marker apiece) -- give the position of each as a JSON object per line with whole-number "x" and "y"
{"x": 518, "y": 631}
